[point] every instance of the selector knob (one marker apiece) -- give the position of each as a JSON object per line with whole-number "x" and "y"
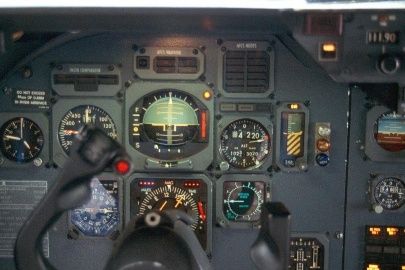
{"x": 389, "y": 64}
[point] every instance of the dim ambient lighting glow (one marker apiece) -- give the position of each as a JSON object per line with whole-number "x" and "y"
{"x": 207, "y": 95}
{"x": 373, "y": 267}
{"x": 392, "y": 231}
{"x": 375, "y": 230}
{"x": 329, "y": 47}
{"x": 254, "y": 4}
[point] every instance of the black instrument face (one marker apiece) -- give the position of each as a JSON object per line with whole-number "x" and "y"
{"x": 168, "y": 125}
{"x": 100, "y": 215}
{"x": 245, "y": 144}
{"x": 79, "y": 116}
{"x": 243, "y": 200}
{"x": 389, "y": 193}
{"x": 21, "y": 140}
{"x": 189, "y": 196}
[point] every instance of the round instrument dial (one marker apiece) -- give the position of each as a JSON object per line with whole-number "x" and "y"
{"x": 171, "y": 197}
{"x": 21, "y": 140}
{"x": 76, "y": 118}
{"x": 245, "y": 144}
{"x": 170, "y": 120}
{"x": 168, "y": 125}
{"x": 243, "y": 200}
{"x": 389, "y": 193}
{"x": 99, "y": 216}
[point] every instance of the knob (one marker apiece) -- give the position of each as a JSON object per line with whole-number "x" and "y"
{"x": 389, "y": 64}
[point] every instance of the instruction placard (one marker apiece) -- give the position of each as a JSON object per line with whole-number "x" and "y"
{"x": 38, "y": 99}
{"x": 17, "y": 200}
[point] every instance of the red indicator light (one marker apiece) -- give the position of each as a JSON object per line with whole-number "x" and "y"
{"x": 203, "y": 130}
{"x": 122, "y": 166}
{"x": 201, "y": 211}
{"x": 146, "y": 183}
{"x": 192, "y": 184}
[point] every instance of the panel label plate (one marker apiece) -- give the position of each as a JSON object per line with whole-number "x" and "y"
{"x": 17, "y": 200}
{"x": 38, "y": 99}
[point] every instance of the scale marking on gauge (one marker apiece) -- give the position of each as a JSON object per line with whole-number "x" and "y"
{"x": 75, "y": 119}
{"x": 245, "y": 144}
{"x": 168, "y": 125}
{"x": 185, "y": 195}
{"x": 100, "y": 216}
{"x": 389, "y": 193}
{"x": 22, "y": 140}
{"x": 242, "y": 200}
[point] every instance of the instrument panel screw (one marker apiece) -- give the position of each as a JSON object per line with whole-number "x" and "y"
{"x": 224, "y": 166}
{"x": 27, "y": 72}
{"x": 142, "y": 50}
{"x": 7, "y": 91}
{"x": 307, "y": 103}
{"x": 110, "y": 67}
{"x": 195, "y": 51}
{"x": 339, "y": 235}
{"x": 127, "y": 84}
{"x": 38, "y": 162}
{"x": 223, "y": 49}
{"x": 219, "y": 41}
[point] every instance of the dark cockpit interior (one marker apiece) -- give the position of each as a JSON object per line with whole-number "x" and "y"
{"x": 219, "y": 113}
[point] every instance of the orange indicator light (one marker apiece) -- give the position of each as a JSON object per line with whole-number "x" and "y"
{"x": 207, "y": 95}
{"x": 329, "y": 47}
{"x": 294, "y": 106}
{"x": 373, "y": 267}
{"x": 375, "y": 230}
{"x": 392, "y": 231}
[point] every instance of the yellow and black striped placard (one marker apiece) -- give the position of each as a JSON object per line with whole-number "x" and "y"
{"x": 294, "y": 146}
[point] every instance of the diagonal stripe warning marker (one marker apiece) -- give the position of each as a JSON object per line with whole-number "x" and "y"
{"x": 294, "y": 143}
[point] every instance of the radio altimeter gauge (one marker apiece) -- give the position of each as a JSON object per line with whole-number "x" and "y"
{"x": 21, "y": 140}
{"x": 245, "y": 144}
{"x": 389, "y": 193}
{"x": 168, "y": 125}
{"x": 243, "y": 200}
{"x": 79, "y": 116}
{"x": 99, "y": 216}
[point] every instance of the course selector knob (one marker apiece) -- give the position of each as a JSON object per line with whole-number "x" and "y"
{"x": 389, "y": 64}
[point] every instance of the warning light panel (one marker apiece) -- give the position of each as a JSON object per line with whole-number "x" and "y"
{"x": 384, "y": 247}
